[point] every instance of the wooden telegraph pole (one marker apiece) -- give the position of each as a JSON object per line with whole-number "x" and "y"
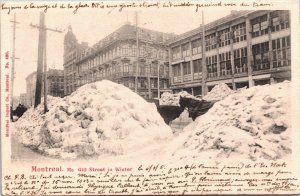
{"x": 204, "y": 68}
{"x": 13, "y": 58}
{"x": 39, "y": 72}
{"x": 137, "y": 54}
{"x": 42, "y": 58}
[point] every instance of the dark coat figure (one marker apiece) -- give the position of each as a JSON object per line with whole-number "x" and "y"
{"x": 168, "y": 112}
{"x": 195, "y": 107}
{"x": 20, "y": 110}
{"x": 11, "y": 113}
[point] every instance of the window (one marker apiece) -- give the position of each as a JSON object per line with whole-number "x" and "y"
{"x": 240, "y": 60}
{"x": 281, "y": 52}
{"x": 224, "y": 37}
{"x": 113, "y": 53}
{"x": 176, "y": 52}
{"x": 211, "y": 63}
{"x": 197, "y": 64}
{"x": 260, "y": 26}
{"x": 210, "y": 42}
{"x": 186, "y": 68}
{"x": 186, "y": 50}
{"x": 280, "y": 20}
{"x": 225, "y": 63}
{"x": 126, "y": 67}
{"x": 239, "y": 33}
{"x": 261, "y": 59}
{"x": 176, "y": 70}
{"x": 196, "y": 46}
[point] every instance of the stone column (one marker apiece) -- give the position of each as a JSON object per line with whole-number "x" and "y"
{"x": 232, "y": 59}
{"x": 270, "y": 40}
{"x": 249, "y": 51}
{"x": 191, "y": 61}
{"x": 181, "y": 72}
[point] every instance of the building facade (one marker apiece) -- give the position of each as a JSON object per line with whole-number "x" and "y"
{"x": 22, "y": 100}
{"x": 245, "y": 48}
{"x": 134, "y": 57}
{"x": 30, "y": 88}
{"x": 55, "y": 82}
{"x": 55, "y": 85}
{"x": 72, "y": 52}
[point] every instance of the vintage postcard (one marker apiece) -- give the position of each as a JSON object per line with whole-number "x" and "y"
{"x": 150, "y": 97}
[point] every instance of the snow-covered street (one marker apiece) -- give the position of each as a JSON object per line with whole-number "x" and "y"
{"x": 108, "y": 119}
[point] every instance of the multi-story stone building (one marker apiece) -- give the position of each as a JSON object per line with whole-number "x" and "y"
{"x": 55, "y": 82}
{"x": 72, "y": 52}
{"x": 55, "y": 85}
{"x": 245, "y": 48}
{"x": 127, "y": 55}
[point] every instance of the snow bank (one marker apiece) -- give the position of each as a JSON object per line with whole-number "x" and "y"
{"x": 252, "y": 124}
{"x": 28, "y": 126}
{"x": 98, "y": 118}
{"x": 173, "y": 99}
{"x": 184, "y": 117}
{"x": 219, "y": 92}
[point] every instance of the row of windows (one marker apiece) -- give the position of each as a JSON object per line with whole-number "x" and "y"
{"x": 260, "y": 26}
{"x": 278, "y": 20}
{"x": 211, "y": 63}
{"x": 143, "y": 83}
{"x": 281, "y": 52}
{"x": 240, "y": 60}
{"x": 210, "y": 41}
{"x": 124, "y": 50}
{"x": 239, "y": 33}
{"x": 186, "y": 50}
{"x": 127, "y": 68}
{"x": 261, "y": 56}
{"x": 224, "y": 37}
{"x": 57, "y": 79}
{"x": 196, "y": 49}
{"x": 225, "y": 63}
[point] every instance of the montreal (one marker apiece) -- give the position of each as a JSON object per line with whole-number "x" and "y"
{"x": 46, "y": 169}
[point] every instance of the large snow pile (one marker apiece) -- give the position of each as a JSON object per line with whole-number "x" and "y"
{"x": 97, "y": 119}
{"x": 251, "y": 124}
{"x": 173, "y": 99}
{"x": 29, "y": 125}
{"x": 219, "y": 92}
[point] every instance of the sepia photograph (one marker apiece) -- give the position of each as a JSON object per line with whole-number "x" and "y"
{"x": 207, "y": 91}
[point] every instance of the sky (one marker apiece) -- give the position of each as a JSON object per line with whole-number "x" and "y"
{"x": 91, "y": 26}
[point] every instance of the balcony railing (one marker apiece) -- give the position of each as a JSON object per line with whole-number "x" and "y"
{"x": 260, "y": 66}
{"x": 243, "y": 69}
{"x": 198, "y": 75}
{"x": 177, "y": 79}
{"x": 212, "y": 75}
{"x": 187, "y": 77}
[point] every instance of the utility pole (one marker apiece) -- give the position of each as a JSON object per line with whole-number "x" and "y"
{"x": 204, "y": 68}
{"x": 137, "y": 54}
{"x": 45, "y": 75}
{"x": 232, "y": 59}
{"x": 158, "y": 89}
{"x": 39, "y": 72}
{"x": 42, "y": 61}
{"x": 13, "y": 58}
